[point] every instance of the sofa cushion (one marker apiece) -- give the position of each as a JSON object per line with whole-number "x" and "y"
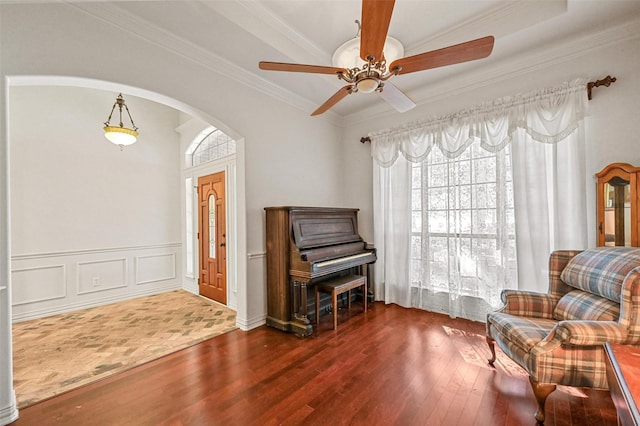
{"x": 524, "y": 332}
{"x": 601, "y": 270}
{"x": 580, "y": 305}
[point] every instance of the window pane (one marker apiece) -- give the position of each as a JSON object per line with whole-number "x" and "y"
{"x": 212, "y": 146}
{"x": 464, "y": 221}
{"x": 484, "y": 221}
{"x": 485, "y": 170}
{"x": 416, "y": 200}
{"x": 416, "y": 247}
{"x": 485, "y": 195}
{"x": 416, "y": 221}
{"x": 463, "y": 172}
{"x": 416, "y": 176}
{"x": 438, "y": 221}
{"x": 464, "y": 197}
{"x": 438, "y": 175}
{"x": 438, "y": 198}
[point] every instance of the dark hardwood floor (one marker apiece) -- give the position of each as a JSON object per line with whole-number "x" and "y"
{"x": 390, "y": 366}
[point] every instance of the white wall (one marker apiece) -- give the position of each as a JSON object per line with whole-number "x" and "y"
{"x": 611, "y": 130}
{"x": 290, "y": 157}
{"x": 287, "y": 157}
{"x": 91, "y": 224}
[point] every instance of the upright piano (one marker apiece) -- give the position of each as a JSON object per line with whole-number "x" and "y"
{"x": 306, "y": 245}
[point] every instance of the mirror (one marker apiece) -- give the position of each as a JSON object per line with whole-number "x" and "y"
{"x": 617, "y": 213}
{"x": 618, "y": 205}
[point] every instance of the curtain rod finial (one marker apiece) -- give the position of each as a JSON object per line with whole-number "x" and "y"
{"x": 365, "y": 139}
{"x": 604, "y": 82}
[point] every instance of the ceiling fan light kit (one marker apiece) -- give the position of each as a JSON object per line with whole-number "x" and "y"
{"x": 362, "y": 61}
{"x": 368, "y": 85}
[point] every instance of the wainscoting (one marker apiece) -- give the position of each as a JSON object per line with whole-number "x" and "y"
{"x": 46, "y": 284}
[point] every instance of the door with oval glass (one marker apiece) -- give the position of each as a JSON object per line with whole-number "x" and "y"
{"x": 212, "y": 237}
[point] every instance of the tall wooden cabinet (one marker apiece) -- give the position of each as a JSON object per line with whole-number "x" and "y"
{"x": 617, "y": 205}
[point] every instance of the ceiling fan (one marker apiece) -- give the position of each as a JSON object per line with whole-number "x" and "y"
{"x": 373, "y": 76}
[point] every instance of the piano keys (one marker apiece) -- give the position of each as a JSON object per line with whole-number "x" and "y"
{"x": 306, "y": 245}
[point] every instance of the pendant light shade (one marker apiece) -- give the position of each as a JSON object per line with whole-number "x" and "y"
{"x": 120, "y": 135}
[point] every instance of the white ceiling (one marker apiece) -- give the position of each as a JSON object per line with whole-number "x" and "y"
{"x": 232, "y": 36}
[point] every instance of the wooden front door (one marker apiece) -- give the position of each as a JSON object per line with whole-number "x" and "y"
{"x": 212, "y": 237}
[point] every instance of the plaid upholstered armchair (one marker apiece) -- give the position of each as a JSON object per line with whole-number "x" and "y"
{"x": 558, "y": 337}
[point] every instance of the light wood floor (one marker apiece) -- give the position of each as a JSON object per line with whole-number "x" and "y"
{"x": 61, "y": 352}
{"x": 390, "y": 366}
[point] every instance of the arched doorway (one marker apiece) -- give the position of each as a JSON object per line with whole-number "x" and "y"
{"x": 8, "y": 410}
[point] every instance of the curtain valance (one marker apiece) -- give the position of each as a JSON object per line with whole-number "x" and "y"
{"x": 547, "y": 115}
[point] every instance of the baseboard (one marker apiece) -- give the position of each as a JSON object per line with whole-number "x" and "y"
{"x": 246, "y": 325}
{"x": 91, "y": 304}
{"x": 191, "y": 288}
{"x": 9, "y": 413}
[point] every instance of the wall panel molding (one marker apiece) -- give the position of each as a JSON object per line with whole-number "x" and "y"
{"x": 30, "y": 256}
{"x": 101, "y": 275}
{"x": 155, "y": 267}
{"x": 50, "y": 284}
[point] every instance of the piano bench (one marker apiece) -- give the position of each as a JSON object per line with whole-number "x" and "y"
{"x": 337, "y": 286}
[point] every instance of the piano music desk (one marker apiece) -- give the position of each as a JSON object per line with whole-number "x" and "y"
{"x": 337, "y": 286}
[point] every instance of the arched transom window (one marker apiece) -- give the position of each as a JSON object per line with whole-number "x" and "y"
{"x": 211, "y": 144}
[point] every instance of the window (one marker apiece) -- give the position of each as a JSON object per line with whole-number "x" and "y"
{"x": 463, "y": 226}
{"x": 210, "y": 145}
{"x": 444, "y": 200}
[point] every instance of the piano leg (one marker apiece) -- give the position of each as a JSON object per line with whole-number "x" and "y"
{"x": 366, "y": 271}
{"x": 300, "y": 324}
{"x": 295, "y": 285}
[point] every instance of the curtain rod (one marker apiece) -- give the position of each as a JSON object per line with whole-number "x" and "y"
{"x": 606, "y": 82}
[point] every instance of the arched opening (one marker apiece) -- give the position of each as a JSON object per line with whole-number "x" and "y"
{"x": 239, "y": 248}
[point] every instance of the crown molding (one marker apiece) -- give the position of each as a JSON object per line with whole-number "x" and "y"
{"x": 135, "y": 26}
{"x": 525, "y": 63}
{"x": 253, "y": 17}
{"x": 500, "y": 21}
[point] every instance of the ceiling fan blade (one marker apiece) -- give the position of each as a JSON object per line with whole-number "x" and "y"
{"x": 463, "y": 52}
{"x": 316, "y": 69}
{"x": 396, "y": 98}
{"x": 376, "y": 16}
{"x": 337, "y": 97}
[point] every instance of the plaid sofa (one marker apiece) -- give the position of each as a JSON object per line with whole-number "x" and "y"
{"x": 558, "y": 337}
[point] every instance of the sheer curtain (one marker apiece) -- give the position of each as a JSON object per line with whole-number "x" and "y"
{"x": 528, "y": 148}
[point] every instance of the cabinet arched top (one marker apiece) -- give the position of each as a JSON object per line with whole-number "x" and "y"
{"x": 617, "y": 169}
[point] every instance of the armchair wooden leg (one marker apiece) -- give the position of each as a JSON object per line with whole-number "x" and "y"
{"x": 492, "y": 348}
{"x": 541, "y": 392}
